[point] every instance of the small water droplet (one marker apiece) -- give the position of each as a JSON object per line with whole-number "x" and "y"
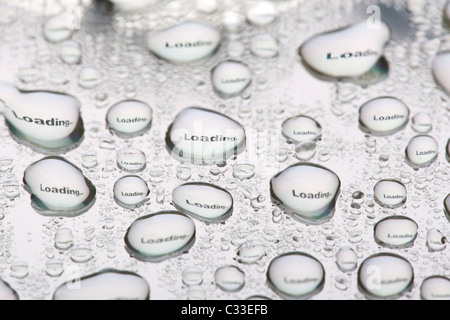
{"x": 230, "y": 278}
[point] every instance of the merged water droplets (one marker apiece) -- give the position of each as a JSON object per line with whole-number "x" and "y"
{"x": 229, "y": 278}
{"x": 385, "y": 276}
{"x": 159, "y": 236}
{"x": 422, "y": 151}
{"x": 129, "y": 118}
{"x": 204, "y": 136}
{"x": 435, "y": 288}
{"x": 396, "y": 232}
{"x": 390, "y": 193}
{"x": 296, "y": 275}
{"x": 131, "y": 191}
{"x": 301, "y": 129}
{"x": 306, "y": 190}
{"x": 203, "y": 201}
{"x": 58, "y": 188}
{"x": 46, "y": 121}
{"x": 184, "y": 43}
{"x": 230, "y": 78}
{"x": 107, "y": 284}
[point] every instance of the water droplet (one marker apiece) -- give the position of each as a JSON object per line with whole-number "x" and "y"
{"x": 207, "y": 6}
{"x": 251, "y": 251}
{"x": 422, "y": 122}
{"x": 435, "y": 288}
{"x": 19, "y": 269}
{"x": 184, "y": 43}
{"x": 58, "y": 28}
{"x": 436, "y": 240}
{"x": 160, "y": 236}
{"x": 70, "y": 52}
{"x": 192, "y": 276}
{"x": 296, "y": 275}
{"x": 448, "y": 150}
{"x": 58, "y": 188}
{"x": 235, "y": 49}
{"x": 383, "y": 116}
{"x": 54, "y": 268}
{"x": 257, "y": 297}
{"x": 204, "y": 136}
{"x": 346, "y": 259}
{"x": 203, "y": 201}
{"x": 8, "y": 15}
{"x": 11, "y": 189}
{"x": 349, "y": 52}
{"x": 46, "y": 121}
{"x": 131, "y": 191}
{"x": 301, "y": 129}
{"x": 390, "y": 193}
{"x": 196, "y": 293}
{"x": 81, "y": 253}
{"x": 130, "y": 118}
{"x": 64, "y": 239}
{"x": 89, "y": 159}
{"x": 107, "y": 284}
{"x": 305, "y": 151}
{"x": 243, "y": 171}
{"x": 264, "y": 46}
{"x": 396, "y": 232}
{"x": 231, "y": 78}
{"x": 230, "y": 278}
{"x": 422, "y": 151}
{"x": 385, "y": 276}
{"x": 89, "y": 78}
{"x": 308, "y": 191}
{"x": 261, "y": 13}
{"x": 447, "y": 206}
{"x": 441, "y": 70}
{"x": 131, "y": 160}
{"x": 357, "y": 195}
{"x": 6, "y": 292}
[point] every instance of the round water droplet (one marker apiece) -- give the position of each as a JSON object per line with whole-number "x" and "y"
{"x": 64, "y": 239}
{"x": 58, "y": 188}
{"x": 160, "y": 236}
{"x": 204, "y": 136}
{"x": 230, "y": 78}
{"x": 235, "y": 49}
{"x": 46, "y": 121}
{"x": 251, "y": 251}
{"x": 131, "y": 191}
{"x": 19, "y": 269}
{"x": 385, "y": 276}
{"x": 308, "y": 191}
{"x": 207, "y": 6}
{"x": 422, "y": 122}
{"x": 130, "y": 118}
{"x": 435, "y": 288}
{"x": 390, "y": 193}
{"x": 11, "y": 189}
{"x": 305, "y": 151}
{"x": 107, "y": 284}
{"x": 58, "y": 28}
{"x": 346, "y": 259}
{"x": 89, "y": 159}
{"x": 89, "y": 78}
{"x": 6, "y": 292}
{"x": 441, "y": 70}
{"x": 396, "y": 232}
{"x": 184, "y": 43}
{"x": 54, "y": 268}
{"x": 349, "y": 52}
{"x": 81, "y": 253}
{"x": 192, "y": 276}
{"x": 383, "y": 116}
{"x": 422, "y": 151}
{"x": 230, "y": 278}
{"x": 70, "y": 52}
{"x": 301, "y": 129}
{"x": 264, "y": 46}
{"x": 436, "y": 241}
{"x": 203, "y": 201}
{"x": 261, "y": 13}
{"x": 296, "y": 275}
{"x": 131, "y": 160}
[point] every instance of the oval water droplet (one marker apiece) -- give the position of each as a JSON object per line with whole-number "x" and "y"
{"x": 441, "y": 70}
{"x": 48, "y": 122}
{"x": 81, "y": 253}
{"x": 349, "y": 52}
{"x": 435, "y": 288}
{"x": 251, "y": 251}
{"x": 19, "y": 269}
{"x": 108, "y": 284}
{"x": 231, "y": 78}
{"x": 385, "y": 276}
{"x": 261, "y": 13}
{"x": 436, "y": 241}
{"x": 346, "y": 259}
{"x": 230, "y": 278}
{"x": 448, "y": 150}
{"x": 131, "y": 160}
{"x": 184, "y": 43}
{"x": 264, "y": 46}
{"x": 54, "y": 268}
{"x": 160, "y": 236}
{"x": 204, "y": 136}
{"x": 58, "y": 28}
{"x": 89, "y": 78}
{"x": 64, "y": 239}
{"x": 131, "y": 191}
{"x": 308, "y": 191}
{"x": 130, "y": 118}
{"x": 396, "y": 232}
{"x": 70, "y": 52}
{"x": 422, "y": 151}
{"x": 6, "y": 292}
{"x": 422, "y": 122}
{"x": 305, "y": 151}
{"x": 58, "y": 188}
{"x": 301, "y": 129}
{"x": 447, "y": 206}
{"x": 192, "y": 276}
{"x": 296, "y": 275}
{"x": 390, "y": 193}
{"x": 383, "y": 116}
{"x": 196, "y": 293}
{"x": 203, "y": 201}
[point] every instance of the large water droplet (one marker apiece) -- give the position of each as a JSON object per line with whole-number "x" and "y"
{"x": 301, "y": 129}
{"x": 230, "y": 78}
{"x": 390, "y": 193}
{"x": 385, "y": 276}
{"x": 6, "y": 292}
{"x": 107, "y": 284}
{"x": 346, "y": 259}
{"x": 204, "y": 136}
{"x": 436, "y": 241}
{"x": 441, "y": 70}
{"x": 348, "y": 52}
{"x": 229, "y": 278}
{"x": 131, "y": 191}
{"x": 46, "y": 121}
{"x": 58, "y": 28}
{"x": 159, "y": 236}
{"x": 296, "y": 275}
{"x": 435, "y": 288}
{"x": 308, "y": 191}
{"x": 58, "y": 188}
{"x": 203, "y": 201}
{"x": 251, "y": 251}
{"x": 396, "y": 232}
{"x": 383, "y": 116}
{"x": 261, "y": 13}
{"x": 422, "y": 151}
{"x": 129, "y": 118}
{"x": 184, "y": 43}
{"x": 131, "y": 160}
